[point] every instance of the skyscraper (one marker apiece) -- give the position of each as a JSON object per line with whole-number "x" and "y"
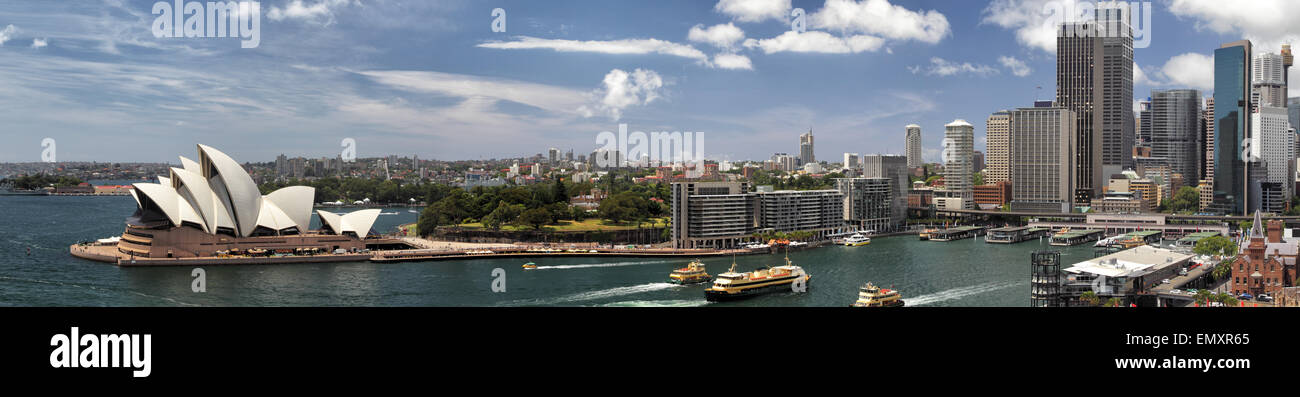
{"x": 998, "y": 130}
{"x": 1144, "y": 123}
{"x": 1175, "y": 130}
{"x": 1231, "y": 125}
{"x": 1042, "y": 175}
{"x": 1207, "y": 121}
{"x": 958, "y": 164}
{"x": 1089, "y": 79}
{"x": 806, "y": 149}
{"x": 893, "y": 167}
{"x": 1276, "y": 143}
{"x": 913, "y": 150}
{"x": 1268, "y": 81}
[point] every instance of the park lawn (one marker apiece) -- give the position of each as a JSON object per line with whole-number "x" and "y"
{"x": 587, "y": 225}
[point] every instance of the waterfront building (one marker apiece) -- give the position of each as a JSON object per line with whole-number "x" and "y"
{"x": 712, "y": 214}
{"x": 1276, "y": 143}
{"x": 869, "y": 204}
{"x": 959, "y": 167}
{"x": 1175, "y": 130}
{"x": 1231, "y": 125}
{"x": 1122, "y": 274}
{"x": 895, "y": 168}
{"x": 913, "y": 146}
{"x": 213, "y": 205}
{"x": 920, "y": 197}
{"x": 1042, "y": 160}
{"x": 993, "y": 195}
{"x": 818, "y": 211}
{"x": 806, "y": 149}
{"x": 1094, "y": 79}
{"x": 998, "y": 132}
{"x": 1268, "y": 260}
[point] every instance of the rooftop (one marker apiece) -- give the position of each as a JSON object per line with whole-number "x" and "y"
{"x": 1130, "y": 263}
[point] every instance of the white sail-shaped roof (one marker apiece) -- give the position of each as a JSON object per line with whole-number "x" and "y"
{"x": 216, "y": 193}
{"x": 296, "y": 202}
{"x": 358, "y": 222}
{"x": 199, "y": 194}
{"x": 165, "y": 197}
{"x": 242, "y": 194}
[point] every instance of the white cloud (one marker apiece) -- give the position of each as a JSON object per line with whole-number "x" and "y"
{"x": 754, "y": 10}
{"x": 1017, "y": 67}
{"x": 1033, "y": 27}
{"x": 732, "y": 62}
{"x": 621, "y": 90}
{"x": 552, "y": 98}
{"x": 321, "y": 11}
{"x": 1139, "y": 76}
{"x": 7, "y": 34}
{"x": 816, "y": 42}
{"x": 626, "y": 46}
{"x": 943, "y": 67}
{"x": 880, "y": 18}
{"x": 39, "y": 43}
{"x": 1190, "y": 70}
{"x": 720, "y": 36}
{"x": 1267, "y": 23}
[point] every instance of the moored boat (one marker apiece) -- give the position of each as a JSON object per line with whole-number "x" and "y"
{"x": 857, "y": 240}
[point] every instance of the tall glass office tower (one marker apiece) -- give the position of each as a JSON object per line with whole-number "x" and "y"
{"x": 1231, "y": 125}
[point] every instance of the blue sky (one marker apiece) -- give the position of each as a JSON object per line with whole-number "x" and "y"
{"x": 431, "y": 78}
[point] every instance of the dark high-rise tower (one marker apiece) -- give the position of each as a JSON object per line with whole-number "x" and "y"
{"x": 1094, "y": 79}
{"x": 1175, "y": 131}
{"x": 1231, "y": 125}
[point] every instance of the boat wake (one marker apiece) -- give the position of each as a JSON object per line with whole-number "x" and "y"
{"x": 958, "y": 293}
{"x": 593, "y": 265}
{"x": 600, "y": 294}
{"x": 659, "y": 303}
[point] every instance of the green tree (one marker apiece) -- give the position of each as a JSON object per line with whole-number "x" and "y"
{"x": 1188, "y": 199}
{"x": 504, "y": 214}
{"x": 1090, "y": 298}
{"x": 1215, "y": 245}
{"x": 558, "y": 192}
{"x": 536, "y": 217}
{"x": 1114, "y": 302}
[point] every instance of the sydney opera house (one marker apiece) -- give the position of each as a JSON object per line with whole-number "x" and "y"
{"x": 212, "y": 206}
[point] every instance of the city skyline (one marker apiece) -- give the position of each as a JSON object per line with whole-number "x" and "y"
{"x": 110, "y": 91}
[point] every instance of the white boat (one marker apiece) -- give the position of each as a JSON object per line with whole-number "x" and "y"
{"x": 857, "y": 240}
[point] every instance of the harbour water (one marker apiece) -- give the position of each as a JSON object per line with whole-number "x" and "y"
{"x": 960, "y": 273}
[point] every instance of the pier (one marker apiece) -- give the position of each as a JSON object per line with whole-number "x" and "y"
{"x": 958, "y": 233}
{"x": 1076, "y": 237}
{"x": 1190, "y": 240}
{"x": 1011, "y": 235}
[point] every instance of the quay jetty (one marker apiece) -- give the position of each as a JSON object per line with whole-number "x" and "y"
{"x": 957, "y": 233}
{"x": 1076, "y": 237}
{"x": 421, "y": 255}
{"x": 420, "y": 250}
{"x": 1016, "y": 234}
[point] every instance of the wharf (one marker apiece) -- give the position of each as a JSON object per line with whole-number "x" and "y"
{"x": 1011, "y": 235}
{"x": 957, "y": 233}
{"x": 1076, "y": 237}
